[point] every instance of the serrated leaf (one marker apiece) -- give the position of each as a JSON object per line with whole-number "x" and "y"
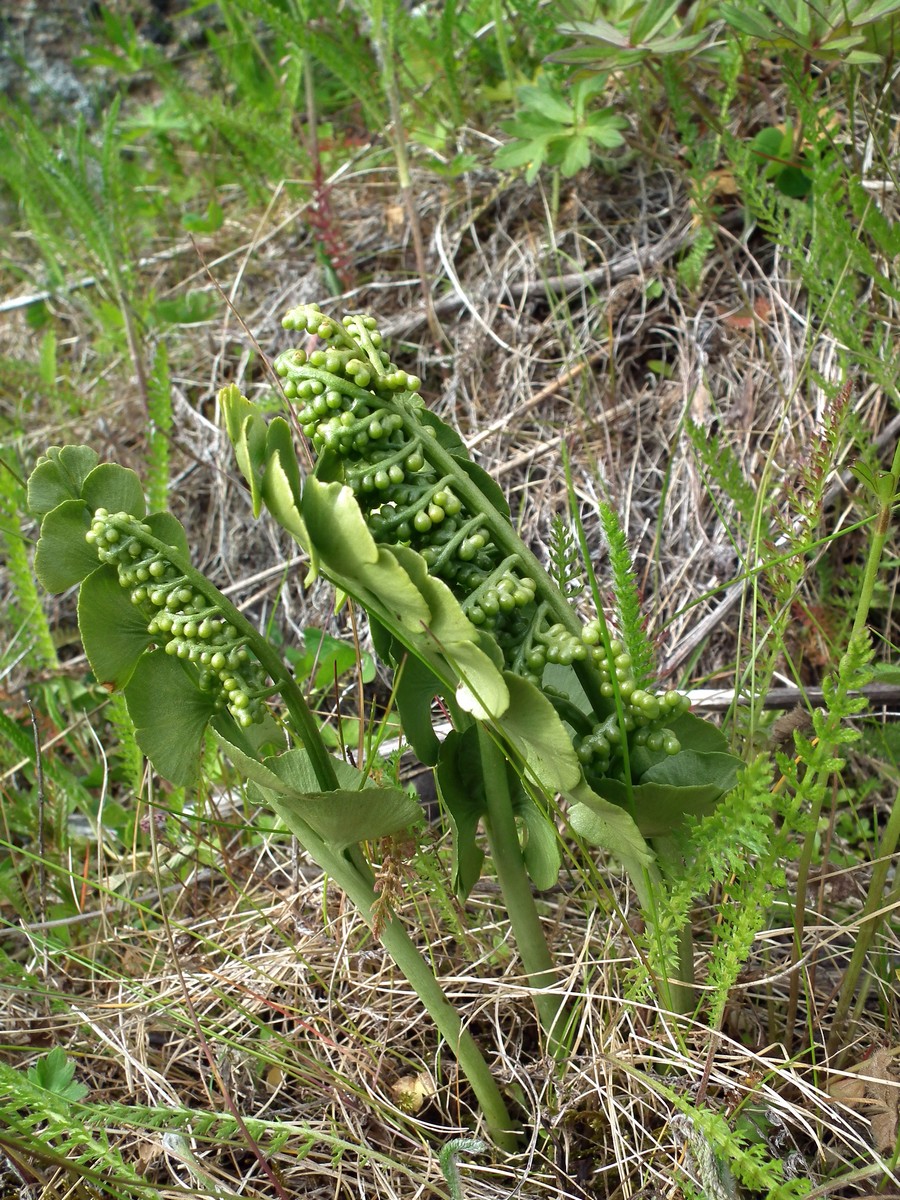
{"x": 115, "y": 488}
{"x": 63, "y": 557}
{"x": 539, "y": 100}
{"x": 577, "y": 155}
{"x": 606, "y": 132}
{"x": 170, "y": 715}
{"x": 113, "y": 630}
{"x": 59, "y": 476}
{"x": 532, "y": 127}
{"x": 520, "y": 154}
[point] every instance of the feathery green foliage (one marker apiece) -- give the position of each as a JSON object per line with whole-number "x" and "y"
{"x": 629, "y": 614}
{"x": 45, "y": 1122}
{"x": 78, "y": 198}
{"x": 564, "y": 559}
{"x": 27, "y": 609}
{"x": 723, "y": 468}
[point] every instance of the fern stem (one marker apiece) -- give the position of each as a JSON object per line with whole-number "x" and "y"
{"x": 349, "y": 870}
{"x": 355, "y": 879}
{"x": 503, "y": 839}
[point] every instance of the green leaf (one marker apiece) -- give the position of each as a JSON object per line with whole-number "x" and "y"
{"x": 863, "y": 58}
{"x": 461, "y": 789}
{"x": 693, "y": 733}
{"x": 329, "y": 657}
{"x": 585, "y": 89}
{"x": 532, "y": 726}
{"x": 54, "y": 1073}
{"x": 880, "y": 484}
{"x": 343, "y": 817}
{"x": 577, "y": 155}
{"x": 746, "y": 20}
{"x": 650, "y": 19}
{"x": 520, "y": 154}
{"x": 208, "y": 222}
{"x": 193, "y": 308}
{"x": 794, "y": 182}
{"x": 249, "y": 767}
{"x": 541, "y": 851}
{"x": 59, "y": 476}
{"x": 605, "y": 131}
{"x": 688, "y": 784}
{"x": 282, "y": 487}
{"x": 169, "y": 530}
{"x": 597, "y": 30}
{"x": 610, "y": 827}
{"x": 247, "y": 433}
{"x": 352, "y": 560}
{"x": 115, "y": 488}
{"x": 533, "y": 127}
{"x": 415, "y": 687}
{"x": 113, "y": 630}
{"x": 450, "y": 635}
{"x": 545, "y": 102}
{"x": 170, "y": 715}
{"x": 63, "y": 558}
{"x": 692, "y": 767}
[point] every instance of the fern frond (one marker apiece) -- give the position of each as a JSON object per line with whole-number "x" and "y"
{"x": 564, "y": 559}
{"x": 130, "y": 753}
{"x": 723, "y": 467}
{"x": 47, "y": 1128}
{"x": 338, "y": 49}
{"x": 629, "y": 617}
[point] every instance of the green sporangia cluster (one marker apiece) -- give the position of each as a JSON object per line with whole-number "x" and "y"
{"x": 369, "y": 427}
{"x": 405, "y": 500}
{"x": 180, "y": 618}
